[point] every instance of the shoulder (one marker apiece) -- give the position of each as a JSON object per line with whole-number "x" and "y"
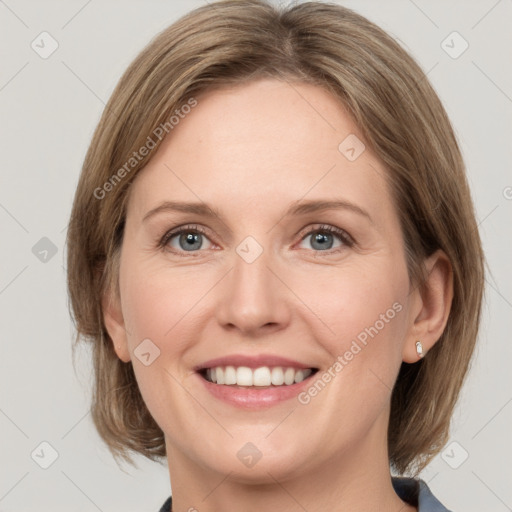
{"x": 416, "y": 492}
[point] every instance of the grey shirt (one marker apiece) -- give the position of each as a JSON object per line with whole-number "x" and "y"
{"x": 412, "y": 491}
{"x": 416, "y": 492}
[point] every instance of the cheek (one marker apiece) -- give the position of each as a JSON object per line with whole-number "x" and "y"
{"x": 158, "y": 305}
{"x": 362, "y": 321}
{"x": 363, "y": 304}
{"x": 159, "y": 301}
{"x": 365, "y": 313}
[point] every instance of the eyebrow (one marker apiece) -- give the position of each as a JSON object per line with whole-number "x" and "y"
{"x": 296, "y": 208}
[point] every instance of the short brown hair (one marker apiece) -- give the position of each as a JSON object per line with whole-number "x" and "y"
{"x": 402, "y": 121}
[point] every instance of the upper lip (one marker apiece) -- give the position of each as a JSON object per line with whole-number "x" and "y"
{"x": 252, "y": 361}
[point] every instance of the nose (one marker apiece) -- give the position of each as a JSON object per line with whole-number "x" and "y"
{"x": 253, "y": 298}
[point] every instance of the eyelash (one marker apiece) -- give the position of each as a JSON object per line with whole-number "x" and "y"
{"x": 347, "y": 240}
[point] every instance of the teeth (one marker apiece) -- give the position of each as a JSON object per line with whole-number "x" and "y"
{"x": 289, "y": 376}
{"x": 244, "y": 376}
{"x": 277, "y": 376}
{"x": 299, "y": 376}
{"x": 229, "y": 375}
{"x": 263, "y": 376}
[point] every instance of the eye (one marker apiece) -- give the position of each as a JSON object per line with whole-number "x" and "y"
{"x": 192, "y": 238}
{"x": 185, "y": 239}
{"x": 323, "y": 238}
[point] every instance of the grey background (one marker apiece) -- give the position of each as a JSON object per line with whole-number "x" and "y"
{"x": 49, "y": 109}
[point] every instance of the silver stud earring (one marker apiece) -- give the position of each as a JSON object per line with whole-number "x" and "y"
{"x": 419, "y": 349}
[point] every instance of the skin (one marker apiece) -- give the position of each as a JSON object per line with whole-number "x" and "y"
{"x": 251, "y": 151}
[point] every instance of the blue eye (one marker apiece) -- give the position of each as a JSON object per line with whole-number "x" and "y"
{"x": 188, "y": 239}
{"x": 322, "y": 238}
{"x": 191, "y": 239}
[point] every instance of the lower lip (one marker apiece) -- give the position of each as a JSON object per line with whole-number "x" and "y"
{"x": 254, "y": 397}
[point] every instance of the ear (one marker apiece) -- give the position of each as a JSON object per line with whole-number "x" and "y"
{"x": 114, "y": 322}
{"x": 431, "y": 306}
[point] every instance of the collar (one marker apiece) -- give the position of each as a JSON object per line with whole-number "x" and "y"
{"x": 417, "y": 493}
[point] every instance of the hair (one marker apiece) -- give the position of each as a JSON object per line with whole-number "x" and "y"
{"x": 403, "y": 122}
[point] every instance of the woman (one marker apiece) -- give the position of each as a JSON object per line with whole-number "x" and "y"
{"x": 273, "y": 251}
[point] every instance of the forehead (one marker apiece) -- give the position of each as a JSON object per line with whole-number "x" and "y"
{"x": 259, "y": 145}
{"x": 270, "y": 118}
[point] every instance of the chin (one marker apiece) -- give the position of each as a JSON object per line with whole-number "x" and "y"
{"x": 258, "y": 463}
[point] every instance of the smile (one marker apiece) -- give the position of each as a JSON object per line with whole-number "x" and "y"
{"x": 254, "y": 382}
{"x": 262, "y": 377}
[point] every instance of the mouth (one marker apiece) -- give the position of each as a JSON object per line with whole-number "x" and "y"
{"x": 263, "y": 377}
{"x": 254, "y": 381}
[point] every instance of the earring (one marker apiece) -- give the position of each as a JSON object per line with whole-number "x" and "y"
{"x": 419, "y": 349}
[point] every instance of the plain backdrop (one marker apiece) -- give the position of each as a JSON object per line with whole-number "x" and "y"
{"x": 49, "y": 108}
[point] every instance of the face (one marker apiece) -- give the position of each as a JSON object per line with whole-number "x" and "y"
{"x": 263, "y": 279}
